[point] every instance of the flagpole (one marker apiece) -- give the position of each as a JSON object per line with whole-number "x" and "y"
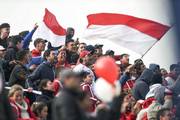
{"x": 148, "y": 50}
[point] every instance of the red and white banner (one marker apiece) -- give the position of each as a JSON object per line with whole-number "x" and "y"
{"x": 51, "y": 30}
{"x": 134, "y": 33}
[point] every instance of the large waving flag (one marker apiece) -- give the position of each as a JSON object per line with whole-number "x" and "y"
{"x": 51, "y": 30}
{"x": 134, "y": 33}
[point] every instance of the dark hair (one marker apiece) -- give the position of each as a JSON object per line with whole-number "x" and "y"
{"x": 4, "y": 25}
{"x": 15, "y": 39}
{"x": 37, "y": 107}
{"x": 21, "y": 54}
{"x": 43, "y": 84}
{"x": 39, "y": 40}
{"x": 173, "y": 66}
{"x": 84, "y": 74}
{"x": 68, "y": 41}
{"x": 47, "y": 53}
{"x": 24, "y": 33}
{"x": 161, "y": 112}
{"x": 122, "y": 55}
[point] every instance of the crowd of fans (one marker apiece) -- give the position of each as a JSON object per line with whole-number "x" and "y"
{"x": 64, "y": 77}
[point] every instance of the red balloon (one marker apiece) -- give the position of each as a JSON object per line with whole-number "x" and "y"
{"x": 106, "y": 68}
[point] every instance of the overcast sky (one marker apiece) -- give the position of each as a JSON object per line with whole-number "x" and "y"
{"x": 22, "y": 14}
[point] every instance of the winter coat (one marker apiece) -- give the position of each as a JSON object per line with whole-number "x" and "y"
{"x": 5, "y": 108}
{"x": 44, "y": 71}
{"x": 66, "y": 107}
{"x": 4, "y": 42}
{"x": 141, "y": 86}
{"x": 18, "y": 110}
{"x": 19, "y": 75}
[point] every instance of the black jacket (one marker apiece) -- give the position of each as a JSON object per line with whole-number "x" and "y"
{"x": 4, "y": 42}
{"x": 46, "y": 97}
{"x": 44, "y": 71}
{"x": 6, "y": 112}
{"x": 141, "y": 86}
{"x": 19, "y": 75}
{"x": 66, "y": 107}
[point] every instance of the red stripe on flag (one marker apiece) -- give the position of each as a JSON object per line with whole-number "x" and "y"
{"x": 149, "y": 27}
{"x": 52, "y": 23}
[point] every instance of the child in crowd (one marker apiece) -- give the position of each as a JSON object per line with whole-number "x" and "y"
{"x": 86, "y": 87}
{"x": 20, "y": 104}
{"x": 40, "y": 109}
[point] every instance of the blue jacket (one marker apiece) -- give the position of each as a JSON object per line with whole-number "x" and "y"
{"x": 44, "y": 71}
{"x": 27, "y": 39}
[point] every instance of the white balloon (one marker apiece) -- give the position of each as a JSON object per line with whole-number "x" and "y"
{"x": 104, "y": 91}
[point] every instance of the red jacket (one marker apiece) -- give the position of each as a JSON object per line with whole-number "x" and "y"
{"x": 17, "y": 110}
{"x": 87, "y": 88}
{"x": 57, "y": 86}
{"x": 35, "y": 53}
{"x": 128, "y": 116}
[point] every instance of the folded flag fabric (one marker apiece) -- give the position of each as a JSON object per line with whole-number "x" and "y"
{"x": 134, "y": 33}
{"x": 51, "y": 30}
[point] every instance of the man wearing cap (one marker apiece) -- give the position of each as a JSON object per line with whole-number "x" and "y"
{"x": 4, "y": 34}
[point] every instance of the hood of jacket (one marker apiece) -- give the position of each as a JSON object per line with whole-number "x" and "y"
{"x": 154, "y": 67}
{"x": 146, "y": 76}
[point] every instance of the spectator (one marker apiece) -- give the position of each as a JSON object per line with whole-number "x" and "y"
{"x": 172, "y": 76}
{"x": 45, "y": 70}
{"x": 164, "y": 73}
{"x": 12, "y": 50}
{"x": 20, "y": 104}
{"x": 86, "y": 86}
{"x": 66, "y": 106}
{"x": 86, "y": 60}
{"x": 81, "y": 47}
{"x": 61, "y": 58}
{"x": 37, "y": 59}
{"x": 4, "y": 34}
{"x": 124, "y": 59}
{"x": 110, "y": 53}
{"x": 47, "y": 89}
{"x": 141, "y": 86}
{"x": 155, "y": 68}
{"x": 163, "y": 99}
{"x": 40, "y": 109}
{"x": 99, "y": 50}
{"x": 39, "y": 45}
{"x": 164, "y": 114}
{"x": 71, "y": 55}
{"x": 69, "y": 33}
{"x": 138, "y": 67}
{"x": 20, "y": 72}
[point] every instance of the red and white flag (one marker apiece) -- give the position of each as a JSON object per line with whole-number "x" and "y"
{"x": 51, "y": 30}
{"x": 134, "y": 33}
